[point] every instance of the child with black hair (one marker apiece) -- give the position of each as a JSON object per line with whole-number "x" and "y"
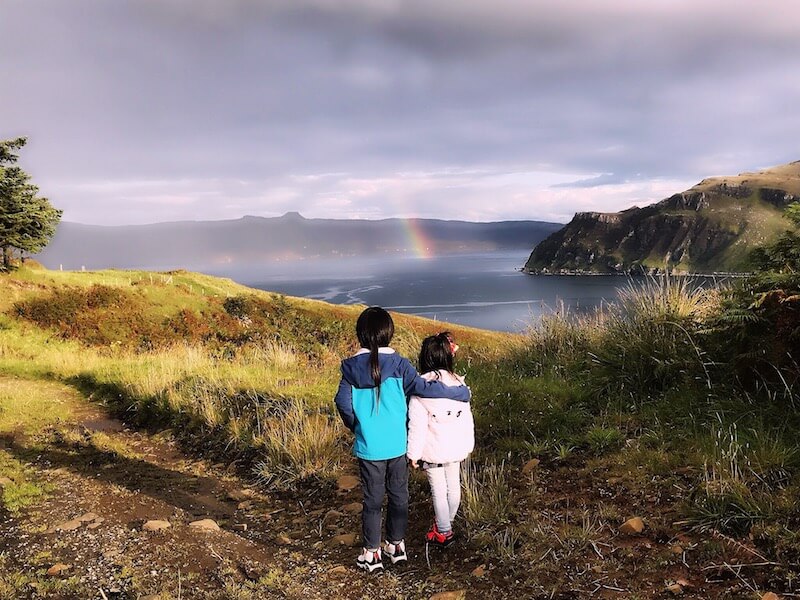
{"x": 441, "y": 434}
{"x": 372, "y": 401}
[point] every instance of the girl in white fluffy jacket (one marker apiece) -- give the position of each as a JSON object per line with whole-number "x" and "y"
{"x": 441, "y": 434}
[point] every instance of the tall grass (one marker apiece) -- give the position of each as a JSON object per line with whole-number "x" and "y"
{"x": 295, "y": 444}
{"x": 487, "y": 496}
{"x": 649, "y": 339}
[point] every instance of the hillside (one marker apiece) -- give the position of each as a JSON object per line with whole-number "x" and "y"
{"x": 709, "y": 228}
{"x": 204, "y": 244}
{"x": 172, "y": 435}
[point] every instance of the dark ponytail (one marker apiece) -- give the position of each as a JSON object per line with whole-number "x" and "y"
{"x": 436, "y": 353}
{"x": 375, "y": 329}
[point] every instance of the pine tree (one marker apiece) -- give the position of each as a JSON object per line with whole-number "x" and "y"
{"x": 27, "y": 221}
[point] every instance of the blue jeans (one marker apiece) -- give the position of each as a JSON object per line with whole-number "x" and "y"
{"x": 381, "y": 478}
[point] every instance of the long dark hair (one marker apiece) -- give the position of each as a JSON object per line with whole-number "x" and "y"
{"x": 436, "y": 353}
{"x": 375, "y": 329}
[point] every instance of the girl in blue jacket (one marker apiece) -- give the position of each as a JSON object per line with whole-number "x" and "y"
{"x": 373, "y": 403}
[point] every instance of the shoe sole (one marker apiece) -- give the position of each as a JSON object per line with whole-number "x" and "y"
{"x": 445, "y": 544}
{"x": 368, "y": 567}
{"x": 397, "y": 559}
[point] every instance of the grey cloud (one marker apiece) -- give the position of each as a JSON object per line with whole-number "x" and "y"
{"x": 590, "y": 182}
{"x": 260, "y": 92}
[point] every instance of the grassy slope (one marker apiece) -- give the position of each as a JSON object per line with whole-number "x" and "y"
{"x": 624, "y": 414}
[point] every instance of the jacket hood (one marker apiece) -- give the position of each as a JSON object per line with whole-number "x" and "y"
{"x": 356, "y": 371}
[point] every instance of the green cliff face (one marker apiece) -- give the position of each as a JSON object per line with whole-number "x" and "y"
{"x": 709, "y": 228}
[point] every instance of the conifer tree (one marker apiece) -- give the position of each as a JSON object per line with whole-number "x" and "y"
{"x": 27, "y": 221}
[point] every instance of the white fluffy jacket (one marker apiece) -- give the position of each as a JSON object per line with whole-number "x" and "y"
{"x": 440, "y": 430}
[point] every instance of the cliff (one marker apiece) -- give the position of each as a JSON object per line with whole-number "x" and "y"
{"x": 709, "y": 228}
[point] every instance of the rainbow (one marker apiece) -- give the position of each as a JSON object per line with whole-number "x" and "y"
{"x": 420, "y": 243}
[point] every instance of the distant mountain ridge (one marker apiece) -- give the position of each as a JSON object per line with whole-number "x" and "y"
{"x": 203, "y": 244}
{"x": 709, "y": 228}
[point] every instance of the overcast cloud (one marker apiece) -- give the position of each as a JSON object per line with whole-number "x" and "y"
{"x": 143, "y": 111}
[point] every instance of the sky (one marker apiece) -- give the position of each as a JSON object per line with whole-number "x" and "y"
{"x": 483, "y": 110}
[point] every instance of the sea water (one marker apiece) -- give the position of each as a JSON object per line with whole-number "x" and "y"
{"x": 485, "y": 290}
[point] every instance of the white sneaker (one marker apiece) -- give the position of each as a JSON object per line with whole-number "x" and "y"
{"x": 396, "y": 551}
{"x": 369, "y": 560}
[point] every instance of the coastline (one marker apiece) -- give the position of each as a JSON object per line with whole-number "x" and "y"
{"x": 653, "y": 273}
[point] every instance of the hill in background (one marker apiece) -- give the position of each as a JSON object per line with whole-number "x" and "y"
{"x": 201, "y": 244}
{"x": 709, "y": 228}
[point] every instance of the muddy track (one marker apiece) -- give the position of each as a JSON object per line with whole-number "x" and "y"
{"x": 115, "y": 479}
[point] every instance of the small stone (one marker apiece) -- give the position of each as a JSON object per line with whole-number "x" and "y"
{"x": 354, "y": 508}
{"x": 346, "y": 539}
{"x": 69, "y": 525}
{"x": 4, "y": 482}
{"x": 632, "y": 526}
{"x": 770, "y": 596}
{"x": 345, "y": 483}
{"x": 683, "y": 582}
{"x": 239, "y": 495}
{"x": 676, "y": 549}
{"x": 340, "y": 570}
{"x": 240, "y": 526}
{"x": 204, "y": 525}
{"x": 94, "y": 525}
{"x": 479, "y": 571}
{"x": 58, "y": 569}
{"x": 284, "y": 540}
{"x": 455, "y": 595}
{"x": 88, "y": 517}
{"x": 332, "y": 514}
{"x": 675, "y": 589}
{"x": 529, "y": 466}
{"x": 156, "y": 525}
{"x": 245, "y": 505}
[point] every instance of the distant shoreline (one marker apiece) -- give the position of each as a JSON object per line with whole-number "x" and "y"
{"x": 716, "y": 275}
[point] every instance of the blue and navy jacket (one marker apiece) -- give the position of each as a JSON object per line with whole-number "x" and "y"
{"x": 380, "y": 427}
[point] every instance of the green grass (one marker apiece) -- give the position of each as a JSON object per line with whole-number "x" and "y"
{"x": 27, "y": 406}
{"x": 26, "y": 409}
{"x": 645, "y": 391}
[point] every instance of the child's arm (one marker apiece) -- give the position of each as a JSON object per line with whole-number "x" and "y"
{"x": 414, "y": 385}
{"x": 344, "y": 404}
{"x": 417, "y": 429}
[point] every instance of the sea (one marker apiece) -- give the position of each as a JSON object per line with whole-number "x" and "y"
{"x": 485, "y": 290}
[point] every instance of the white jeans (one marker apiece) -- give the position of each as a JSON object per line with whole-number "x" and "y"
{"x": 446, "y": 492}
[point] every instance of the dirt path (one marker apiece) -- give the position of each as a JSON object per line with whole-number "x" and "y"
{"x": 106, "y": 481}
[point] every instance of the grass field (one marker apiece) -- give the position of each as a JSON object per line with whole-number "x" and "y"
{"x": 646, "y": 398}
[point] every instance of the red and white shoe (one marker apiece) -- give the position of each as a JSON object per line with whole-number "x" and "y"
{"x": 370, "y": 560}
{"x": 396, "y": 551}
{"x": 435, "y": 538}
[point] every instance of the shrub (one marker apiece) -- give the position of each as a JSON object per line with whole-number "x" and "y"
{"x": 99, "y": 315}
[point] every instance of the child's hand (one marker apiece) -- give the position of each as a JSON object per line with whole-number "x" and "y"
{"x": 414, "y": 464}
